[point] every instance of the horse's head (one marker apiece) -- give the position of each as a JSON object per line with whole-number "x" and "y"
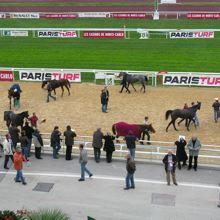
{"x": 25, "y": 114}
{"x": 151, "y": 129}
{"x": 198, "y": 105}
{"x": 44, "y": 83}
{"x": 121, "y": 74}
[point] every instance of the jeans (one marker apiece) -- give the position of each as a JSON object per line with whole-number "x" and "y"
{"x": 56, "y": 150}
{"x": 132, "y": 152}
{"x": 25, "y": 151}
{"x": 19, "y": 177}
{"x": 83, "y": 170}
{"x": 49, "y": 95}
{"x": 215, "y": 116}
{"x": 29, "y": 146}
{"x": 196, "y": 120}
{"x": 129, "y": 180}
{"x": 172, "y": 173}
{"x": 104, "y": 108}
{"x": 195, "y": 161}
{"x": 97, "y": 153}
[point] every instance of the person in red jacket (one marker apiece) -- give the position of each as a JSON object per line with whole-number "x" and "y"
{"x": 18, "y": 165}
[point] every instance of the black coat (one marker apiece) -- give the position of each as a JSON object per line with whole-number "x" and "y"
{"x": 165, "y": 161}
{"x": 14, "y": 132}
{"x": 104, "y": 98}
{"x": 69, "y": 137}
{"x": 180, "y": 150}
{"x": 28, "y": 131}
{"x": 109, "y": 144}
{"x": 55, "y": 138}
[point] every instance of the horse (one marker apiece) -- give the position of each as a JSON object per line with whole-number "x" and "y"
{"x": 184, "y": 114}
{"x": 15, "y": 119}
{"x": 14, "y": 93}
{"x": 56, "y": 84}
{"x": 130, "y": 79}
{"x": 138, "y": 130}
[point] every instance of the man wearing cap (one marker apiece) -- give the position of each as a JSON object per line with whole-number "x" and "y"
{"x": 216, "y": 107}
{"x": 18, "y": 165}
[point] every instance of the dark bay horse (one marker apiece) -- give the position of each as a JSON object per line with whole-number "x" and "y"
{"x": 138, "y": 130}
{"x": 16, "y": 119}
{"x": 56, "y": 84}
{"x": 130, "y": 79}
{"x": 185, "y": 114}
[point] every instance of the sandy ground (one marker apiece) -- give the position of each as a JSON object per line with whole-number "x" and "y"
{"x": 82, "y": 109}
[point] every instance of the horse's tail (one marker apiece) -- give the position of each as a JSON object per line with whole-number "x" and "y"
{"x": 146, "y": 78}
{"x": 113, "y": 129}
{"x": 168, "y": 113}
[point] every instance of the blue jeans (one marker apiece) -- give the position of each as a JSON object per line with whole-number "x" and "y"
{"x": 25, "y": 151}
{"x": 29, "y": 146}
{"x": 104, "y": 108}
{"x": 19, "y": 177}
{"x": 129, "y": 180}
{"x": 132, "y": 152}
{"x": 215, "y": 116}
{"x": 97, "y": 154}
{"x": 196, "y": 120}
{"x": 49, "y": 95}
{"x": 56, "y": 150}
{"x": 83, "y": 170}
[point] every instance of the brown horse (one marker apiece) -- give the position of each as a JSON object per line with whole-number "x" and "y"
{"x": 138, "y": 130}
{"x": 56, "y": 84}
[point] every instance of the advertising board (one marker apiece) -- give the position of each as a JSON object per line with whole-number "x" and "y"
{"x": 191, "y": 34}
{"x": 103, "y": 34}
{"x": 35, "y": 75}
{"x": 57, "y": 34}
{"x": 191, "y": 80}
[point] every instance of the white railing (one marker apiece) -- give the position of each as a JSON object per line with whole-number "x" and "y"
{"x": 156, "y": 150}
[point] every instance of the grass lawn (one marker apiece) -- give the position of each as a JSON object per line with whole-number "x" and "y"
{"x": 123, "y": 54}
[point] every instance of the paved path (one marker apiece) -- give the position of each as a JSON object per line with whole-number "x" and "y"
{"x": 103, "y": 196}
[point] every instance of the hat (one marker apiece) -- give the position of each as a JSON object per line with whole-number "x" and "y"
{"x": 216, "y": 99}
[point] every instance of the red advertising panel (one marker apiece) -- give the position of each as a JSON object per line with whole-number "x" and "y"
{"x": 203, "y": 15}
{"x": 6, "y": 75}
{"x": 129, "y": 15}
{"x": 103, "y": 34}
{"x": 56, "y": 16}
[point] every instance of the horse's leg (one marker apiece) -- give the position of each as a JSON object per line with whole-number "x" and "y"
{"x": 180, "y": 121}
{"x": 143, "y": 86}
{"x": 62, "y": 91}
{"x": 54, "y": 91}
{"x": 133, "y": 87}
{"x": 127, "y": 88}
{"x": 174, "y": 125}
{"x": 67, "y": 88}
{"x": 10, "y": 103}
{"x": 122, "y": 88}
{"x": 169, "y": 125}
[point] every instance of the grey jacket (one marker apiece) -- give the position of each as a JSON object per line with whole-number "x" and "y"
{"x": 97, "y": 139}
{"x": 194, "y": 150}
{"x": 83, "y": 158}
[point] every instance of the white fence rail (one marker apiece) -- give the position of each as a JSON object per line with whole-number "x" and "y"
{"x": 155, "y": 151}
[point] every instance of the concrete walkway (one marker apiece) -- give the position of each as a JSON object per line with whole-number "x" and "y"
{"x": 103, "y": 197}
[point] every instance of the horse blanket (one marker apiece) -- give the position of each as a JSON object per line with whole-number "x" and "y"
{"x": 122, "y": 129}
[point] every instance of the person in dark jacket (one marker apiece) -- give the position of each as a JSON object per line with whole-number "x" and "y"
{"x": 170, "y": 161}
{"x": 38, "y": 143}
{"x": 107, "y": 96}
{"x": 14, "y": 133}
{"x": 104, "y": 101}
{"x": 97, "y": 144}
{"x": 28, "y": 131}
{"x": 180, "y": 152}
{"x": 24, "y": 144}
{"x": 109, "y": 146}
{"x": 216, "y": 108}
{"x": 49, "y": 91}
{"x": 130, "y": 142}
{"x": 55, "y": 141}
{"x": 69, "y": 141}
{"x": 131, "y": 168}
